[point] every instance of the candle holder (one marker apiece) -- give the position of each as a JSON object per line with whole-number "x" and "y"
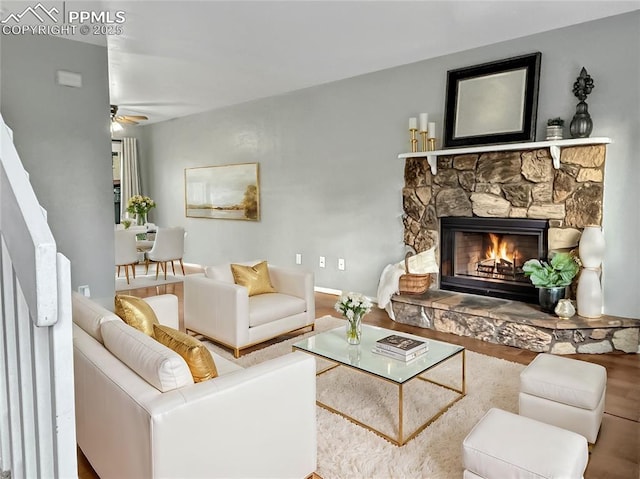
{"x": 432, "y": 144}
{"x": 414, "y": 140}
{"x": 423, "y": 134}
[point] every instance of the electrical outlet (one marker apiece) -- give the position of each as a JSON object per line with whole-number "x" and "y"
{"x": 341, "y": 264}
{"x": 298, "y": 258}
{"x": 322, "y": 261}
{"x": 84, "y": 290}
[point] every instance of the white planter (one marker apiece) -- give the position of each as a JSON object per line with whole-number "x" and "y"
{"x": 591, "y": 247}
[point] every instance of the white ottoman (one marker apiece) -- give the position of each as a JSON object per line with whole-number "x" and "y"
{"x": 504, "y": 445}
{"x": 565, "y": 392}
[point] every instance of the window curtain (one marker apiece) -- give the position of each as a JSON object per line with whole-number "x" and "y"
{"x": 129, "y": 174}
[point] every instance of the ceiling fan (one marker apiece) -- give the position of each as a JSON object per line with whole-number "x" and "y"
{"x": 125, "y": 119}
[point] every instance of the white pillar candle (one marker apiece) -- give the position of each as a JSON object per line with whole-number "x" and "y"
{"x": 432, "y": 129}
{"x": 424, "y": 118}
{"x": 413, "y": 123}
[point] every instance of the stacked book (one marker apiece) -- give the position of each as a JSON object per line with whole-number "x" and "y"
{"x": 401, "y": 347}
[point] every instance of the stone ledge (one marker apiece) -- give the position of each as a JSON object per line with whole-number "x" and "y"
{"x": 516, "y": 324}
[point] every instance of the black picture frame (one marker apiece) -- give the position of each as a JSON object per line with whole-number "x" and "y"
{"x": 495, "y": 102}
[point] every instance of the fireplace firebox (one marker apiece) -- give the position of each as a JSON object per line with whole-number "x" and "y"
{"x": 485, "y": 255}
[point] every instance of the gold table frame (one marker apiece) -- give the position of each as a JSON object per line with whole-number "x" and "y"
{"x": 399, "y": 441}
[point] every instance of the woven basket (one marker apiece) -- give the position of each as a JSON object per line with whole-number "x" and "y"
{"x": 410, "y": 283}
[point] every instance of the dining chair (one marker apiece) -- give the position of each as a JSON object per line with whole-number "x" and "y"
{"x": 126, "y": 252}
{"x": 167, "y": 247}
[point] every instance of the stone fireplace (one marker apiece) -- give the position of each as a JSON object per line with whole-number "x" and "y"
{"x": 477, "y": 200}
{"x": 512, "y": 184}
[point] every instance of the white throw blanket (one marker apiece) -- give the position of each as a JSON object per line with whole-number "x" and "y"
{"x": 420, "y": 263}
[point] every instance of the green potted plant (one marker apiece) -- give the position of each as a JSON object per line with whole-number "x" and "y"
{"x": 551, "y": 278}
{"x": 555, "y": 127}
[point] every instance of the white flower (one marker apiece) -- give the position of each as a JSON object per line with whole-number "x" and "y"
{"x": 350, "y": 304}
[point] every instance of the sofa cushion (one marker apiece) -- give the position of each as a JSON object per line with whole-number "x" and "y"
{"x": 223, "y": 365}
{"x": 158, "y": 365}
{"x": 195, "y": 353}
{"x": 136, "y": 313}
{"x": 89, "y": 315}
{"x": 265, "y": 308}
{"x": 255, "y": 278}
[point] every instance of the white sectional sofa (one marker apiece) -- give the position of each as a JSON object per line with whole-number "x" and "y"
{"x": 257, "y": 422}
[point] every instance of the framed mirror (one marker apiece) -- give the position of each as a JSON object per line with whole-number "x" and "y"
{"x": 494, "y": 102}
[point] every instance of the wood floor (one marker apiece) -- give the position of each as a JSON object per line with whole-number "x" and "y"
{"x": 616, "y": 454}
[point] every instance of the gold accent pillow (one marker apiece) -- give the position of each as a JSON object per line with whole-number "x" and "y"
{"x": 136, "y": 312}
{"x": 195, "y": 354}
{"x": 255, "y": 278}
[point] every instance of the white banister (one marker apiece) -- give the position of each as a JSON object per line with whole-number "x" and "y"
{"x": 37, "y": 416}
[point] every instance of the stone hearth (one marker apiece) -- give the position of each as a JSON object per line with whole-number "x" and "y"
{"x": 513, "y": 323}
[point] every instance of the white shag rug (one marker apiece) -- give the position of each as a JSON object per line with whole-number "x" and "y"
{"x": 346, "y": 450}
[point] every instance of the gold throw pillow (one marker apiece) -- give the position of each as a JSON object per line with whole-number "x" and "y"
{"x": 195, "y": 354}
{"x": 136, "y": 312}
{"x": 255, "y": 278}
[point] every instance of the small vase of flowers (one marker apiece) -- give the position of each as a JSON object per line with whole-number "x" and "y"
{"x": 140, "y": 206}
{"x": 353, "y": 307}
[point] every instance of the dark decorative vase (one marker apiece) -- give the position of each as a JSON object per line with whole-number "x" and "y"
{"x": 581, "y": 124}
{"x": 549, "y": 298}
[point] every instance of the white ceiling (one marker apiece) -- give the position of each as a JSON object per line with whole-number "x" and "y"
{"x": 176, "y": 58}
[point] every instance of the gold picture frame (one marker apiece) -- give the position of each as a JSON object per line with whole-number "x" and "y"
{"x": 223, "y": 192}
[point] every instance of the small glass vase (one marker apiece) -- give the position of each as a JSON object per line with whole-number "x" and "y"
{"x": 141, "y": 219}
{"x": 354, "y": 329}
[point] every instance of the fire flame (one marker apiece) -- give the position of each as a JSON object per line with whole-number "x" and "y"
{"x": 500, "y": 249}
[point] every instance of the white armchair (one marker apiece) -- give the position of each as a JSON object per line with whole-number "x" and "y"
{"x": 222, "y": 311}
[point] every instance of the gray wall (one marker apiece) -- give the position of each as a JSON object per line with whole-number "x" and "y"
{"x": 330, "y": 178}
{"x": 62, "y": 136}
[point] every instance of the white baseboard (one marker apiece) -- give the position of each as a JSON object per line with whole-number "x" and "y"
{"x": 320, "y": 289}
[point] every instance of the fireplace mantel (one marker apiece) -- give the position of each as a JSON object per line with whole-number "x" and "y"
{"x": 555, "y": 147}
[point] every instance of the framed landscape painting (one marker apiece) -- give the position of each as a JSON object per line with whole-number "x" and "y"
{"x": 223, "y": 192}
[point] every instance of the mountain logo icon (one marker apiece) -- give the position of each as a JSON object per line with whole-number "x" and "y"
{"x": 39, "y": 11}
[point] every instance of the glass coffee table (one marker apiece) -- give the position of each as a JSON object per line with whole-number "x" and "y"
{"x": 332, "y": 346}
